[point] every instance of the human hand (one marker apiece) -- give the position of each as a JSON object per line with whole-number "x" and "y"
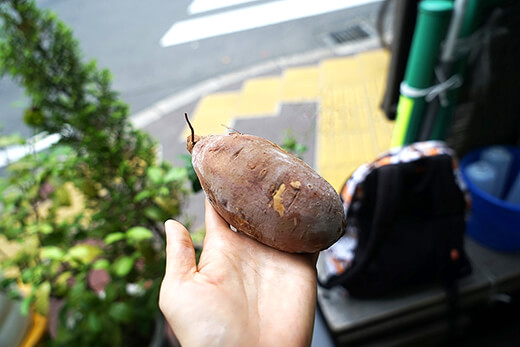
{"x": 242, "y": 293}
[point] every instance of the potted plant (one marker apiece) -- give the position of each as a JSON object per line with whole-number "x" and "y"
{"x": 89, "y": 210}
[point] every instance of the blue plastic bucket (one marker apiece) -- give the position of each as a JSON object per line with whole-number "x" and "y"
{"x": 493, "y": 222}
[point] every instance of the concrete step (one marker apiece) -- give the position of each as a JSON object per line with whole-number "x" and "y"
{"x": 212, "y": 112}
{"x": 259, "y": 97}
{"x": 300, "y": 84}
{"x": 297, "y": 118}
{"x": 350, "y": 128}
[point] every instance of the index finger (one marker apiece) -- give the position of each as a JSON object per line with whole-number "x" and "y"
{"x": 213, "y": 220}
{"x": 218, "y": 231}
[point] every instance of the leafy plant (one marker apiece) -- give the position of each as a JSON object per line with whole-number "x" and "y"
{"x": 89, "y": 211}
{"x": 192, "y": 175}
{"x": 291, "y": 145}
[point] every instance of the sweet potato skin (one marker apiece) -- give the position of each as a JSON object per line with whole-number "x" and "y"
{"x": 267, "y": 193}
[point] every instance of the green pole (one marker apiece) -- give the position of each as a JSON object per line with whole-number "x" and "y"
{"x": 469, "y": 24}
{"x": 472, "y": 19}
{"x": 432, "y": 22}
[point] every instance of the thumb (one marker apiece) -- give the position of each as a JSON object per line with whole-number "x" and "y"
{"x": 180, "y": 254}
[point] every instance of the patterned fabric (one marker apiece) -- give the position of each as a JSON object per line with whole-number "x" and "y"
{"x": 339, "y": 257}
{"x": 398, "y": 155}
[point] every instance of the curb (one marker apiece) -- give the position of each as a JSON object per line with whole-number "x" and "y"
{"x": 157, "y": 111}
{"x": 177, "y": 101}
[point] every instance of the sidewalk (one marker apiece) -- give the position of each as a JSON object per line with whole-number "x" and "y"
{"x": 330, "y": 105}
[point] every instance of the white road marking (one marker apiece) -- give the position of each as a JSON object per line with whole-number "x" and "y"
{"x": 36, "y": 144}
{"x": 176, "y": 102}
{"x": 251, "y": 17}
{"x": 199, "y": 6}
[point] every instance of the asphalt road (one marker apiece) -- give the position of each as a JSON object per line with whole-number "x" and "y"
{"x": 124, "y": 36}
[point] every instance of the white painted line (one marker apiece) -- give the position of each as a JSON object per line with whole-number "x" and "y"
{"x": 199, "y": 6}
{"x": 35, "y": 144}
{"x": 176, "y": 102}
{"x": 252, "y": 17}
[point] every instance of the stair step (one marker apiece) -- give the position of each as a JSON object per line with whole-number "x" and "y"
{"x": 300, "y": 84}
{"x": 351, "y": 127}
{"x": 339, "y": 72}
{"x": 352, "y": 130}
{"x": 259, "y": 97}
{"x": 213, "y": 111}
{"x": 374, "y": 64}
{"x": 344, "y": 135}
{"x": 296, "y": 119}
{"x": 299, "y": 118}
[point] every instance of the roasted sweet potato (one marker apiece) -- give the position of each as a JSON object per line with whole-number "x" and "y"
{"x": 267, "y": 193}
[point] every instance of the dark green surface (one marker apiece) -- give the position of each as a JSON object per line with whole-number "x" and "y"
{"x": 432, "y": 23}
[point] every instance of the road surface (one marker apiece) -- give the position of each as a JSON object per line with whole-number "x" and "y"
{"x": 158, "y": 48}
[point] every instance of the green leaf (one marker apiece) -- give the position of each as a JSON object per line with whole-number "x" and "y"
{"x": 186, "y": 158}
{"x": 14, "y": 294}
{"x": 11, "y": 140}
{"x": 62, "y": 151}
{"x": 27, "y": 275}
{"x": 101, "y": 264}
{"x": 33, "y": 117}
{"x": 175, "y": 174}
{"x": 114, "y": 237}
{"x": 77, "y": 293}
{"x": 122, "y": 266}
{"x": 61, "y": 283}
{"x": 121, "y": 312}
{"x": 32, "y": 229}
{"x": 45, "y": 228}
{"x": 190, "y": 172}
{"x": 62, "y": 196}
{"x": 145, "y": 194}
{"x": 155, "y": 174}
{"x": 167, "y": 205}
{"x": 41, "y": 298}
{"x": 51, "y": 252}
{"x": 84, "y": 253}
{"x": 26, "y": 302}
{"x": 94, "y": 322}
{"x": 111, "y": 291}
{"x": 300, "y": 149}
{"x": 138, "y": 234}
{"x": 154, "y": 213}
{"x": 22, "y": 165}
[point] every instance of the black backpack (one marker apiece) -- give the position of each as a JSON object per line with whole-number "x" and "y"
{"x": 407, "y": 210}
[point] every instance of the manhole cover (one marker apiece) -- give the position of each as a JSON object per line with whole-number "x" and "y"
{"x": 352, "y": 33}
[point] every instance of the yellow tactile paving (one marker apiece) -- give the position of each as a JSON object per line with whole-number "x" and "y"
{"x": 381, "y": 131}
{"x": 300, "y": 84}
{"x": 339, "y": 72}
{"x": 373, "y": 64}
{"x": 344, "y": 139}
{"x": 212, "y": 112}
{"x": 352, "y": 129}
{"x": 259, "y": 97}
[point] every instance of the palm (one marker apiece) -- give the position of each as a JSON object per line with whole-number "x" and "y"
{"x": 241, "y": 292}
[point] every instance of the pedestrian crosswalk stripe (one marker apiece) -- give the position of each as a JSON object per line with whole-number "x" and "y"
{"x": 199, "y": 6}
{"x": 251, "y": 17}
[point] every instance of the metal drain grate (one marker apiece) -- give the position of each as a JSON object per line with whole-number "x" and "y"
{"x": 352, "y": 33}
